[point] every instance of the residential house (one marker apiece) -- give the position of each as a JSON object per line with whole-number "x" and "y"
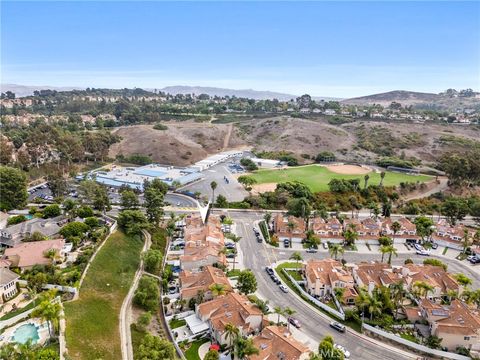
{"x": 277, "y": 342}
{"x": 289, "y": 227}
{"x": 13, "y": 235}
{"x": 8, "y": 284}
{"x": 446, "y": 233}
{"x": 330, "y": 229}
{"x": 372, "y": 275}
{"x": 456, "y": 324}
{"x": 29, "y": 254}
{"x": 323, "y": 276}
{"x": 367, "y": 229}
{"x": 407, "y": 230}
{"x": 441, "y": 281}
{"x": 195, "y": 283}
{"x": 330, "y": 112}
{"x": 203, "y": 243}
{"x": 232, "y": 308}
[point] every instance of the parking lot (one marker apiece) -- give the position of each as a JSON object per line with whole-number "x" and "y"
{"x": 227, "y": 184}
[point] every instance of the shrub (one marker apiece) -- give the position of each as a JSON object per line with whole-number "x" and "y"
{"x": 147, "y": 293}
{"x": 84, "y": 212}
{"x": 16, "y": 219}
{"x": 160, "y": 127}
{"x": 74, "y": 229}
{"x": 92, "y": 222}
{"x": 51, "y": 211}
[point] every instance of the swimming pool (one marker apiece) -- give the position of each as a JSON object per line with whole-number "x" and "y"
{"x": 26, "y": 332}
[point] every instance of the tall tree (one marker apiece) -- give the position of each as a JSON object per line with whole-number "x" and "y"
{"x": 129, "y": 200}
{"x": 335, "y": 250}
{"x": 13, "y": 188}
{"x": 213, "y": 186}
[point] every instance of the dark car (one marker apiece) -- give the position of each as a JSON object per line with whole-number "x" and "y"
{"x": 311, "y": 250}
{"x": 337, "y": 326}
{"x": 269, "y": 270}
{"x": 276, "y": 280}
{"x": 286, "y": 243}
{"x": 294, "y": 322}
{"x": 475, "y": 260}
{"x": 230, "y": 246}
{"x": 259, "y": 239}
{"x": 230, "y": 256}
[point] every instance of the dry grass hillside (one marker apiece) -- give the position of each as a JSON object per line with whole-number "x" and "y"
{"x": 184, "y": 143}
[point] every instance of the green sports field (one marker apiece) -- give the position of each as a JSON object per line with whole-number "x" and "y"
{"x": 318, "y": 177}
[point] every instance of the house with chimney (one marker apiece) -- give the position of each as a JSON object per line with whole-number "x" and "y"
{"x": 278, "y": 343}
{"x": 197, "y": 284}
{"x": 374, "y": 275}
{"x": 329, "y": 230}
{"x": 234, "y": 309}
{"x": 289, "y": 227}
{"x": 323, "y": 276}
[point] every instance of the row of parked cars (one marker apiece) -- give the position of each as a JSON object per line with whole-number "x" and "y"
{"x": 474, "y": 259}
{"x": 275, "y": 279}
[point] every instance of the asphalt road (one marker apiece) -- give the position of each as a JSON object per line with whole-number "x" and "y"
{"x": 256, "y": 256}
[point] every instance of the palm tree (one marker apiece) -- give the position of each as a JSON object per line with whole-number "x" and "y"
{"x": 291, "y": 226}
{"x": 375, "y": 306}
{"x": 48, "y": 311}
{"x": 297, "y": 257}
{"x": 339, "y": 291}
{"x": 289, "y": 312}
{"x": 279, "y": 311}
{"x": 231, "y": 333}
{"x": 213, "y": 186}
{"x": 244, "y": 348}
{"x": 217, "y": 289}
{"x": 336, "y": 249}
{"x": 366, "y": 177}
{"x": 363, "y": 299}
{"x": 397, "y": 292}
{"x": 235, "y": 239}
{"x": 422, "y": 288}
{"x": 200, "y": 296}
{"x": 463, "y": 279}
{"x": 465, "y": 240}
{"x": 382, "y": 176}
{"x": 396, "y": 226}
{"x": 383, "y": 250}
{"x": 391, "y": 250}
{"x": 262, "y": 305}
{"x": 350, "y": 235}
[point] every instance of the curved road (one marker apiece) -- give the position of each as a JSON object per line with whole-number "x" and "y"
{"x": 314, "y": 324}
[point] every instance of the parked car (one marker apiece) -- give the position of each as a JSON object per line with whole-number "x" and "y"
{"x": 256, "y": 232}
{"x": 294, "y": 322}
{"x": 283, "y": 288}
{"x": 475, "y": 260}
{"x": 259, "y": 239}
{"x": 471, "y": 257}
{"x": 311, "y": 250}
{"x": 325, "y": 245}
{"x": 230, "y": 256}
{"x": 434, "y": 245}
{"x": 230, "y": 245}
{"x": 286, "y": 243}
{"x": 337, "y": 326}
{"x": 411, "y": 241}
{"x": 423, "y": 252}
{"x": 275, "y": 279}
{"x": 269, "y": 270}
{"x": 418, "y": 247}
{"x": 345, "y": 352}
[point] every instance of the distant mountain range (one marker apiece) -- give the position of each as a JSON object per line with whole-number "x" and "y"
{"x": 442, "y": 101}
{"x": 22, "y": 90}
{"x": 25, "y": 90}
{"x": 244, "y": 93}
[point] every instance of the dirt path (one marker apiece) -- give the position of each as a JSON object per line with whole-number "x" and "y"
{"x": 226, "y": 140}
{"x": 126, "y": 310}
{"x": 442, "y": 185}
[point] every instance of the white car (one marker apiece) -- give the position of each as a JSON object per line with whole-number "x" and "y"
{"x": 283, "y": 288}
{"x": 423, "y": 252}
{"x": 345, "y": 352}
{"x": 418, "y": 247}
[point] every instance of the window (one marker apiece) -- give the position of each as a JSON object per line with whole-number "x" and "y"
{"x": 466, "y": 338}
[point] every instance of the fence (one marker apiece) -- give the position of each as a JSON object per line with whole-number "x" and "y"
{"x": 410, "y": 344}
{"x": 339, "y": 314}
{"x": 60, "y": 288}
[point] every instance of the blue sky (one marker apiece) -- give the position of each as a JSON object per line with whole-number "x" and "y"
{"x": 339, "y": 49}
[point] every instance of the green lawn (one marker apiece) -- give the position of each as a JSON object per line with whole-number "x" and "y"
{"x": 192, "y": 352}
{"x": 318, "y": 177}
{"x": 92, "y": 321}
{"x": 176, "y": 323}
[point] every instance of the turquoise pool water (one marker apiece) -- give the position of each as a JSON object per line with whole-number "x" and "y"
{"x": 26, "y": 332}
{"x": 29, "y": 216}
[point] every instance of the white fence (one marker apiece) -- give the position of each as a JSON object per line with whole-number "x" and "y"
{"x": 339, "y": 314}
{"x": 410, "y": 344}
